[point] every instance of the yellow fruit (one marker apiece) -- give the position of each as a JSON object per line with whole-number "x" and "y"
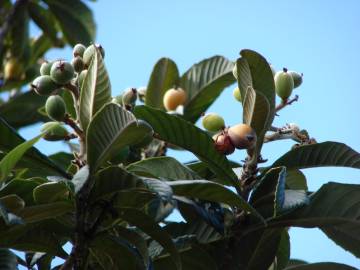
{"x": 13, "y": 70}
{"x": 173, "y": 98}
{"x": 237, "y": 94}
{"x": 242, "y": 136}
{"x": 213, "y": 122}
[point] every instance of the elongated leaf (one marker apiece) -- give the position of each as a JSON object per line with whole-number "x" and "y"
{"x": 148, "y": 226}
{"x": 321, "y": 266}
{"x": 163, "y": 77}
{"x": 122, "y": 253}
{"x": 256, "y": 84}
{"x": 8, "y": 260}
{"x": 296, "y": 180}
{"x": 33, "y": 159}
{"x": 335, "y": 210}
{"x": 111, "y": 129}
{"x": 203, "y": 83}
{"x": 283, "y": 252}
{"x": 320, "y": 155}
{"x": 177, "y": 131}
{"x": 194, "y": 259}
{"x": 10, "y": 160}
{"x": 22, "y": 110}
{"x": 51, "y": 192}
{"x": 12, "y": 202}
{"x": 210, "y": 191}
{"x": 95, "y": 90}
{"x": 9, "y": 218}
{"x": 162, "y": 167}
{"x": 75, "y": 19}
{"x": 62, "y": 159}
{"x": 44, "y": 19}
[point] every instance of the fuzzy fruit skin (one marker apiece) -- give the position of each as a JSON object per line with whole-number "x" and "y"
{"x": 82, "y": 77}
{"x": 129, "y": 96}
{"x": 79, "y": 50}
{"x": 55, "y": 108}
{"x": 213, "y": 122}
{"x": 54, "y": 131}
{"x": 44, "y": 85}
{"x": 62, "y": 72}
{"x": 284, "y": 84}
{"x": 223, "y": 143}
{"x": 242, "y": 136}
{"x": 297, "y": 77}
{"x": 13, "y": 69}
{"x": 45, "y": 68}
{"x": 90, "y": 51}
{"x": 173, "y": 98}
{"x": 77, "y": 63}
{"x": 237, "y": 94}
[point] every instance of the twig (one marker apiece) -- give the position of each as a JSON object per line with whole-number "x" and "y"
{"x": 285, "y": 103}
{"x": 73, "y": 89}
{"x": 71, "y": 122}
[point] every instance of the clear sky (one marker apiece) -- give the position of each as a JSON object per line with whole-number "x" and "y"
{"x": 319, "y": 38}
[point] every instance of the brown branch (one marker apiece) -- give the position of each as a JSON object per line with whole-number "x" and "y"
{"x": 71, "y": 122}
{"x": 286, "y": 102}
{"x": 74, "y": 90}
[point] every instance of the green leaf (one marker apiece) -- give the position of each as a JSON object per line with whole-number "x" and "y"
{"x": 11, "y": 158}
{"x": 203, "y": 83}
{"x": 296, "y": 180}
{"x": 8, "y": 260}
{"x": 95, "y": 90}
{"x": 194, "y": 259}
{"x": 51, "y": 192}
{"x": 12, "y": 202}
{"x": 9, "y": 218}
{"x": 164, "y": 76}
{"x": 33, "y": 160}
{"x": 283, "y": 252}
{"x": 210, "y": 191}
{"x": 75, "y": 19}
{"x": 45, "y": 211}
{"x": 256, "y": 84}
{"x": 334, "y": 209}
{"x": 257, "y": 251}
{"x": 22, "y": 188}
{"x": 320, "y": 155}
{"x": 177, "y": 131}
{"x": 136, "y": 240}
{"x": 122, "y": 253}
{"x": 43, "y": 19}
{"x": 39, "y": 46}
{"x": 162, "y": 167}
{"x": 111, "y": 129}
{"x": 69, "y": 103}
{"x": 62, "y": 159}
{"x": 321, "y": 266}
{"x": 22, "y": 109}
{"x": 148, "y": 226}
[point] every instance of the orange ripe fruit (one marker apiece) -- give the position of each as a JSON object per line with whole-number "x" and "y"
{"x": 173, "y": 98}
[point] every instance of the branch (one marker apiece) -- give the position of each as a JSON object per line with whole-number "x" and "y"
{"x": 286, "y": 102}
{"x": 71, "y": 122}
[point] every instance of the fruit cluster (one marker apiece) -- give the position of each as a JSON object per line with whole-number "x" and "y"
{"x": 242, "y": 136}
{"x": 58, "y": 76}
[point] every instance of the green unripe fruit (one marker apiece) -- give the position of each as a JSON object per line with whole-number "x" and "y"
{"x": 121, "y": 156}
{"x": 62, "y": 72}
{"x": 55, "y": 108}
{"x": 234, "y": 71}
{"x": 129, "y": 96}
{"x": 284, "y": 84}
{"x": 44, "y": 85}
{"x": 237, "y": 94}
{"x": 90, "y": 51}
{"x": 82, "y": 77}
{"x": 213, "y": 122}
{"x": 54, "y": 131}
{"x": 45, "y": 68}
{"x": 77, "y": 63}
{"x": 297, "y": 77}
{"x": 79, "y": 50}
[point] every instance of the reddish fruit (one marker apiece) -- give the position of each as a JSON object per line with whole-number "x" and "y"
{"x": 242, "y": 136}
{"x": 223, "y": 143}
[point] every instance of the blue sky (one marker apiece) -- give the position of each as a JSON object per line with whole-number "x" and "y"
{"x": 319, "y": 38}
